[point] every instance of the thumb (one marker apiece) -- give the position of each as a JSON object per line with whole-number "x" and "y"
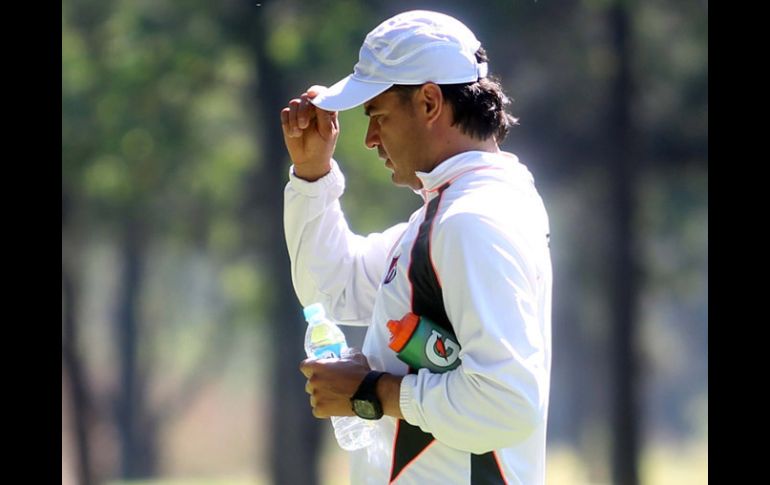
{"x": 328, "y": 123}
{"x": 355, "y": 355}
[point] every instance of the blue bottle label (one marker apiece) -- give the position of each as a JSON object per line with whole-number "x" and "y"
{"x": 328, "y": 351}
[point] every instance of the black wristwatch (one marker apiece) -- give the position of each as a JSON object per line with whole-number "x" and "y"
{"x": 365, "y": 402}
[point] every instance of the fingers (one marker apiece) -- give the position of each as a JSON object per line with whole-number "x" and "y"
{"x": 307, "y": 111}
{"x": 297, "y": 116}
{"x": 295, "y": 131}
{"x": 316, "y": 408}
{"x": 285, "y": 122}
{"x": 289, "y": 130}
{"x": 331, "y": 382}
{"x": 328, "y": 124}
{"x": 315, "y": 90}
{"x": 307, "y": 367}
{"x": 300, "y": 113}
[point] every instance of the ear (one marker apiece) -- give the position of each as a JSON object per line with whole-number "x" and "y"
{"x": 431, "y": 102}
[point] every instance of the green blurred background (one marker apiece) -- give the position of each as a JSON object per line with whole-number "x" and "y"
{"x": 181, "y": 333}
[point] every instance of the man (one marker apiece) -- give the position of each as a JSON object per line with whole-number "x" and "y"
{"x": 474, "y": 259}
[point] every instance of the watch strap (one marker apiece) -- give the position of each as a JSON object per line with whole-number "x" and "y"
{"x": 368, "y": 387}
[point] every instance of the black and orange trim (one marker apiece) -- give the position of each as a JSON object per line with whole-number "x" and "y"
{"x": 427, "y": 300}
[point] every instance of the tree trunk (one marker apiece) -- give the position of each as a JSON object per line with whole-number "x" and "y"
{"x": 136, "y": 427}
{"x": 295, "y": 436}
{"x": 72, "y": 364}
{"x": 625, "y": 414}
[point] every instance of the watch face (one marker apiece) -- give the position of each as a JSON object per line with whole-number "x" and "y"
{"x": 365, "y": 409}
{"x": 366, "y": 405}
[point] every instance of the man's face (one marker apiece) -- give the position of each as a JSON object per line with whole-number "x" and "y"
{"x": 396, "y": 133}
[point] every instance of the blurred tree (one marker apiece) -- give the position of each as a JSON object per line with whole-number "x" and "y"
{"x": 621, "y": 161}
{"x": 140, "y": 88}
{"x": 294, "y": 434}
{"x": 288, "y": 59}
{"x": 73, "y": 366}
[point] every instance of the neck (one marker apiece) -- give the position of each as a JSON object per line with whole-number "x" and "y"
{"x": 455, "y": 145}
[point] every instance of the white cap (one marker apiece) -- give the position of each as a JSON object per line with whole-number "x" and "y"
{"x": 411, "y": 48}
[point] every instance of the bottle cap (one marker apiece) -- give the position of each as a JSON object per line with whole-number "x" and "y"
{"x": 401, "y": 331}
{"x": 314, "y": 312}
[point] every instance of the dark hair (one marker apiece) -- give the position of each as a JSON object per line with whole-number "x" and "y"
{"x": 478, "y": 108}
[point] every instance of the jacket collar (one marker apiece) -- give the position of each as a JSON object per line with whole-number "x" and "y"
{"x": 457, "y": 165}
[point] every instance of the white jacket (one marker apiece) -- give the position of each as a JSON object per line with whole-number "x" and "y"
{"x": 489, "y": 249}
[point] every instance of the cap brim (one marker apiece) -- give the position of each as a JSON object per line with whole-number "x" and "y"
{"x": 348, "y": 93}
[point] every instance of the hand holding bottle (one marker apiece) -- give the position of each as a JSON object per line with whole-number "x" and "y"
{"x": 333, "y": 374}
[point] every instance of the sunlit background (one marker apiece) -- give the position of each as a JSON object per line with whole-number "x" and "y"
{"x": 181, "y": 333}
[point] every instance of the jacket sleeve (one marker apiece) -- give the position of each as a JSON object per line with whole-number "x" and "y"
{"x": 330, "y": 264}
{"x": 499, "y": 394}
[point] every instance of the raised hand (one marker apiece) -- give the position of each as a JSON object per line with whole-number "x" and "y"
{"x": 310, "y": 134}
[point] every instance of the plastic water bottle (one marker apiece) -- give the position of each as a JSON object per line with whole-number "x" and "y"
{"x": 324, "y": 339}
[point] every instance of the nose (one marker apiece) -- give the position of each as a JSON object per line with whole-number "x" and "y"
{"x": 372, "y": 139}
